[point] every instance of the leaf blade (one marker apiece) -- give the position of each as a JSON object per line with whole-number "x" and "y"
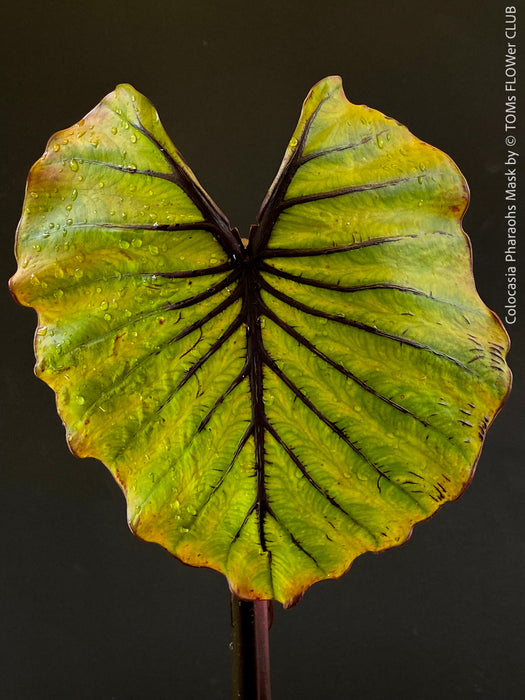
{"x": 343, "y": 366}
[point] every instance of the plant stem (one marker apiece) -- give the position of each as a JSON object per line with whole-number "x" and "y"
{"x": 250, "y": 647}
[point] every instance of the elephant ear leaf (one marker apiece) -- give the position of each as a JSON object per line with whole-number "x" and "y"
{"x": 275, "y": 411}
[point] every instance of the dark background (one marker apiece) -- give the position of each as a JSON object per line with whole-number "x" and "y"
{"x": 87, "y": 611}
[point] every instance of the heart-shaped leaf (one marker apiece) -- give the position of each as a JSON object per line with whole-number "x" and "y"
{"x": 275, "y": 411}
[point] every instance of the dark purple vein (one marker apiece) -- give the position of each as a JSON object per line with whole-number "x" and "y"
{"x": 187, "y": 375}
{"x": 128, "y": 169}
{"x": 269, "y": 210}
{"x": 242, "y": 442}
{"x": 227, "y": 237}
{"x": 190, "y": 226}
{"x": 340, "y": 192}
{"x": 233, "y": 385}
{"x": 142, "y": 317}
{"x": 211, "y": 314}
{"x": 335, "y": 149}
{"x": 322, "y": 417}
{"x": 329, "y": 250}
{"x": 304, "y": 471}
{"x": 294, "y": 540}
{"x": 331, "y": 286}
{"x": 359, "y": 325}
{"x": 249, "y": 512}
{"x": 334, "y": 286}
{"x": 311, "y": 347}
{"x": 184, "y": 303}
{"x": 143, "y": 360}
{"x": 234, "y": 325}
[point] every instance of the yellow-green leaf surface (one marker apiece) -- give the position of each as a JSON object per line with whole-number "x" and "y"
{"x": 275, "y": 411}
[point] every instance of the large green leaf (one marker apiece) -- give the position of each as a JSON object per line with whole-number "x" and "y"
{"x": 275, "y": 411}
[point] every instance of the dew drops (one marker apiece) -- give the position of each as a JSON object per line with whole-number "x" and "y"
{"x": 51, "y": 225}
{"x": 293, "y": 142}
{"x": 136, "y": 242}
{"x": 100, "y": 185}
{"x": 132, "y": 167}
{"x": 37, "y": 247}
{"x": 25, "y": 262}
{"x": 56, "y": 147}
{"x": 69, "y": 222}
{"x": 80, "y": 400}
{"x": 58, "y": 293}
{"x": 153, "y": 249}
{"x": 379, "y": 141}
{"x": 133, "y": 138}
{"x": 34, "y": 195}
{"x": 41, "y": 330}
{"x": 191, "y": 510}
{"x": 123, "y": 244}
{"x": 104, "y": 304}
{"x": 69, "y": 207}
{"x": 79, "y": 273}
{"x": 73, "y": 164}
{"x": 107, "y": 317}
{"x": 114, "y": 130}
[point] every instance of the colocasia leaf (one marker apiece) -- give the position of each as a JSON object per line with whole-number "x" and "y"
{"x": 272, "y": 411}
